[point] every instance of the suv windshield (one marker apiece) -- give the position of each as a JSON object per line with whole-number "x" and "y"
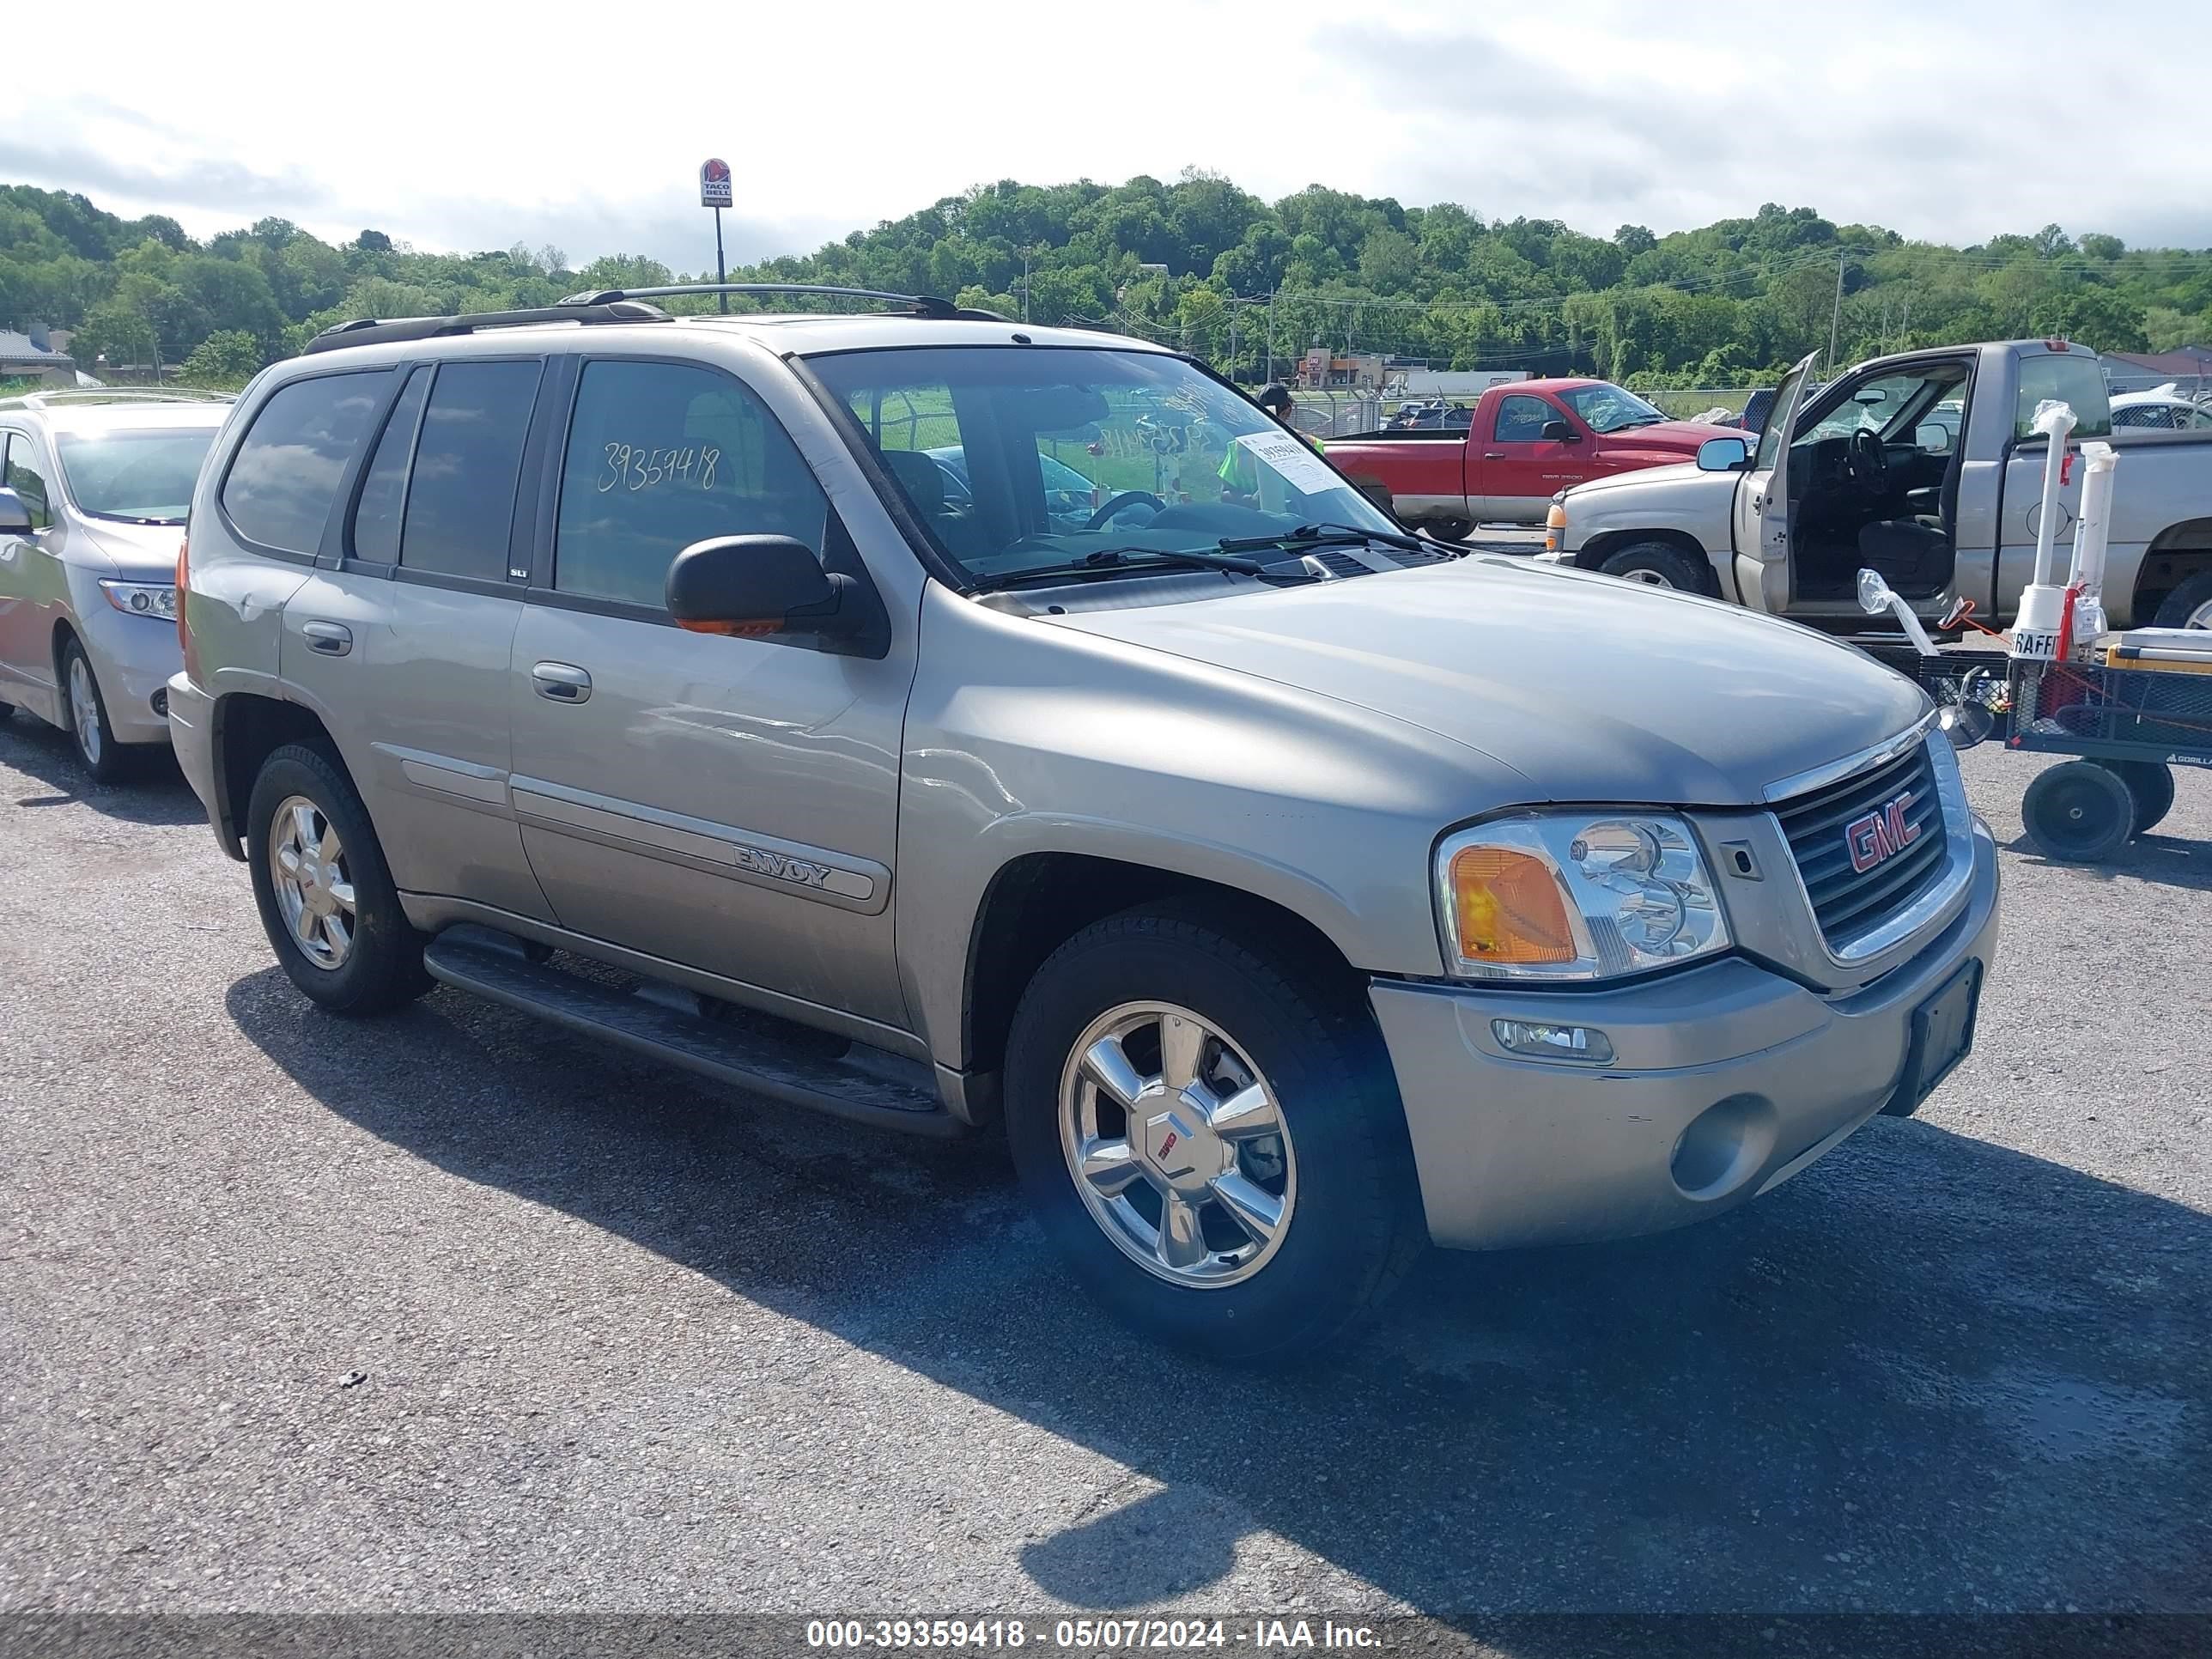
{"x": 1603, "y": 408}
{"x": 1020, "y": 460}
{"x": 141, "y": 477}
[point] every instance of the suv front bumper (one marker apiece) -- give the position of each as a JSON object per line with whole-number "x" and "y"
{"x": 1730, "y": 1076}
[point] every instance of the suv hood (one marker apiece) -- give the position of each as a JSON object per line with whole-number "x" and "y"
{"x": 1593, "y": 690}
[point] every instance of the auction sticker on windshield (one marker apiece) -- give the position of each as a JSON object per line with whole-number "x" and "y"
{"x": 1288, "y": 456}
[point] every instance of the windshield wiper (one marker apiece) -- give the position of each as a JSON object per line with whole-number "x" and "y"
{"x": 1119, "y": 561}
{"x": 1333, "y": 535}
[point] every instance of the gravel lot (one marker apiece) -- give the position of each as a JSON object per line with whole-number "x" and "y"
{"x": 453, "y": 1311}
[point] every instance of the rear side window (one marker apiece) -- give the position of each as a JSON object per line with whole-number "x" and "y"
{"x": 285, "y": 476}
{"x": 27, "y": 478}
{"x": 384, "y": 490}
{"x": 468, "y": 463}
{"x": 2074, "y": 380}
{"x": 662, "y": 455}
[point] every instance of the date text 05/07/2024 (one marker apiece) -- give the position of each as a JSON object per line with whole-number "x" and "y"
{"x": 1090, "y": 1635}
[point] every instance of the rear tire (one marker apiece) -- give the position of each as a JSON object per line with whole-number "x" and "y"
{"x": 1449, "y": 530}
{"x": 1338, "y": 1211}
{"x": 2079, "y": 812}
{"x": 1657, "y": 564}
{"x": 2189, "y": 606}
{"x": 2149, "y": 784}
{"x": 84, "y": 717}
{"x": 326, "y": 896}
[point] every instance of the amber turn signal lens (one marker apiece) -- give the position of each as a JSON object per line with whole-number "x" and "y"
{"x": 1508, "y": 908}
{"x": 742, "y": 630}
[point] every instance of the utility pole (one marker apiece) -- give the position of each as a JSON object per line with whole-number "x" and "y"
{"x": 1025, "y": 285}
{"x": 1836, "y": 317}
{"x": 1272, "y": 294}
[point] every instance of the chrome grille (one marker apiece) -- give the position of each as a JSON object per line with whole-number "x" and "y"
{"x": 1847, "y": 901}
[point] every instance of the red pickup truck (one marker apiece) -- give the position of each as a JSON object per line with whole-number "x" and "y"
{"x": 1528, "y": 441}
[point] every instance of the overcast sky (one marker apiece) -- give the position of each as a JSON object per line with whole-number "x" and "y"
{"x": 468, "y": 128}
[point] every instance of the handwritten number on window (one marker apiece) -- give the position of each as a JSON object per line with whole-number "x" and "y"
{"x": 632, "y": 468}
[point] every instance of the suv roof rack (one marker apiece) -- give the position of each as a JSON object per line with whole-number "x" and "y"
{"x": 118, "y": 394}
{"x": 371, "y": 330}
{"x": 927, "y": 306}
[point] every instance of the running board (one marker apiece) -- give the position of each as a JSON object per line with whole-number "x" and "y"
{"x": 665, "y": 1024}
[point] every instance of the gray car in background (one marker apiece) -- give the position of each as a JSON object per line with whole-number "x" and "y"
{"x": 1289, "y": 890}
{"x": 97, "y": 484}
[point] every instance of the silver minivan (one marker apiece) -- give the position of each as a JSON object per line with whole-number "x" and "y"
{"x": 1288, "y": 890}
{"x": 97, "y": 485}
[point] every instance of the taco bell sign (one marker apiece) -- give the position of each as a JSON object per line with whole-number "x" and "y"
{"x": 714, "y": 183}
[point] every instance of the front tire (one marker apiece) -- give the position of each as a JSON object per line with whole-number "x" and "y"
{"x": 1210, "y": 1136}
{"x": 84, "y": 714}
{"x": 1657, "y": 564}
{"x": 326, "y": 896}
{"x": 2079, "y": 812}
{"x": 1449, "y": 530}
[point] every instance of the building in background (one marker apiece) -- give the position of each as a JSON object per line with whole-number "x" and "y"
{"x": 2188, "y": 367}
{"x": 31, "y": 355}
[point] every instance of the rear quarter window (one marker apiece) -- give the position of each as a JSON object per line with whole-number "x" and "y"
{"x": 284, "y": 479}
{"x": 2076, "y": 380}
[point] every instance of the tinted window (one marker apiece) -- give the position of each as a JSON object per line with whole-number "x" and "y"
{"x": 28, "y": 478}
{"x": 286, "y": 475}
{"x": 384, "y": 491}
{"x": 662, "y": 455}
{"x": 468, "y": 462}
{"x": 1521, "y": 419}
{"x": 2076, "y": 380}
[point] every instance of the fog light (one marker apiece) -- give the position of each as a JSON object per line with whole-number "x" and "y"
{"x": 1582, "y": 1042}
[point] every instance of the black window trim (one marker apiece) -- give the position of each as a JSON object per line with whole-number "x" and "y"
{"x": 345, "y": 559}
{"x": 503, "y": 587}
{"x": 264, "y": 550}
{"x": 838, "y": 552}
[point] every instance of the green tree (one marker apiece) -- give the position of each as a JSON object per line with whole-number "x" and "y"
{"x": 227, "y": 358}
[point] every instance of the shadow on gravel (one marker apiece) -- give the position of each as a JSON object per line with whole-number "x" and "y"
{"x": 1929, "y": 1374}
{"x": 155, "y": 791}
{"x": 2169, "y": 860}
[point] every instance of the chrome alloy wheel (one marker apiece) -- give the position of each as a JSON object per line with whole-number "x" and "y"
{"x": 2200, "y": 617}
{"x": 84, "y": 708}
{"x": 1646, "y": 579}
{"x": 1176, "y": 1144}
{"x": 314, "y": 888}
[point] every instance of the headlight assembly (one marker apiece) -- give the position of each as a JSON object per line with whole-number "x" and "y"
{"x": 141, "y": 598}
{"x": 1575, "y": 896}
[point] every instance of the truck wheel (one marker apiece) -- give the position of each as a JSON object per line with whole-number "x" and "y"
{"x": 2189, "y": 606}
{"x": 327, "y": 899}
{"x": 85, "y": 712}
{"x": 2079, "y": 812}
{"x": 1657, "y": 564}
{"x": 1210, "y": 1136}
{"x": 1449, "y": 530}
{"x": 2150, "y": 786}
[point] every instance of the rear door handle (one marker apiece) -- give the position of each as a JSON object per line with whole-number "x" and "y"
{"x": 562, "y": 682}
{"x": 331, "y": 639}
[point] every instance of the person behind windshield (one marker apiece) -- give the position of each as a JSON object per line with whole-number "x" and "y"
{"x": 1240, "y": 473}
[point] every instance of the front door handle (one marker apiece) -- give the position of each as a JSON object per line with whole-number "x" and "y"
{"x": 562, "y": 682}
{"x": 1493, "y": 454}
{"x": 331, "y": 639}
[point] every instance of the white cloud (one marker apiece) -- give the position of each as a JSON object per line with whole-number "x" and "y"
{"x": 477, "y": 127}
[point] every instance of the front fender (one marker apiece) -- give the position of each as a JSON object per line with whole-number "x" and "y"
{"x": 1698, "y": 508}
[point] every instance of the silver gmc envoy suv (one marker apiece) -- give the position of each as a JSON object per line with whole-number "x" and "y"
{"x": 744, "y": 689}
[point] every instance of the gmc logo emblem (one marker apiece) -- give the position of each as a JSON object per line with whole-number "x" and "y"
{"x": 1881, "y": 834}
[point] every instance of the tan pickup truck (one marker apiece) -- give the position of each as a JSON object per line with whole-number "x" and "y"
{"x": 1920, "y": 465}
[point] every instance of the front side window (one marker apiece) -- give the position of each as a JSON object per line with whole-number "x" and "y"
{"x": 138, "y": 477}
{"x": 27, "y": 478}
{"x": 1522, "y": 418}
{"x": 285, "y": 476}
{"x": 1604, "y": 408}
{"x": 468, "y": 464}
{"x": 1020, "y": 461}
{"x": 2072, "y": 378}
{"x": 662, "y": 455}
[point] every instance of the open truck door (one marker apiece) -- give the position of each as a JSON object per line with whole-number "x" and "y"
{"x": 1762, "y": 502}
